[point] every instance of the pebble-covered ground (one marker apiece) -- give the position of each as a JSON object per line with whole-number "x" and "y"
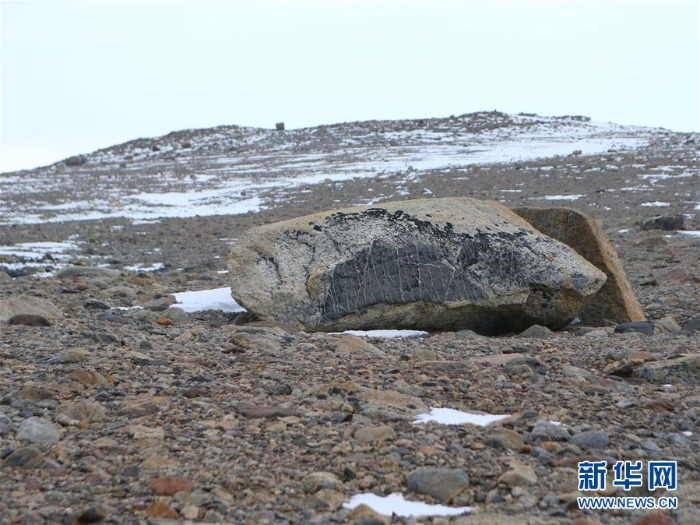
{"x": 117, "y": 414}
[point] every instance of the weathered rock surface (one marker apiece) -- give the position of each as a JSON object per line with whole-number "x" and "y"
{"x": 27, "y": 305}
{"x": 441, "y": 483}
{"x": 684, "y": 370}
{"x": 615, "y": 301}
{"x": 425, "y": 264}
{"x": 664, "y": 222}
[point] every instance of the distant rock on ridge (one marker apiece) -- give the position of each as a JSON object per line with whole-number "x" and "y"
{"x": 615, "y": 301}
{"x": 434, "y": 264}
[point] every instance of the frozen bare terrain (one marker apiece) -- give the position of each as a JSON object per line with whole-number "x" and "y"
{"x": 152, "y": 398}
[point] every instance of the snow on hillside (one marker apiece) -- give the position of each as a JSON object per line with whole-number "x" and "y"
{"x": 226, "y": 170}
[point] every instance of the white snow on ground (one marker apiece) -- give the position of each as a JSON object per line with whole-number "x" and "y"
{"x": 34, "y": 252}
{"x": 450, "y": 416}
{"x": 216, "y": 299}
{"x": 396, "y": 504}
{"x": 656, "y": 204}
{"x": 236, "y": 166}
{"x": 562, "y": 197}
{"x": 37, "y": 250}
{"x": 696, "y": 233}
{"x": 385, "y": 333}
{"x": 141, "y": 268}
{"x": 687, "y": 433}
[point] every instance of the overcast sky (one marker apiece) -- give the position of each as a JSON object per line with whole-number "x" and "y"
{"x": 78, "y": 76}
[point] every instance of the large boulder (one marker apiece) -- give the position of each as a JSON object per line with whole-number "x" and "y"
{"x": 615, "y": 301}
{"x": 434, "y": 264}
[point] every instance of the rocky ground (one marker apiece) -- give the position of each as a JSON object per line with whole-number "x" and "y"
{"x": 147, "y": 415}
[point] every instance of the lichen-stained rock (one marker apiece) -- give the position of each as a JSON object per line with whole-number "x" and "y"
{"x": 615, "y": 301}
{"x": 433, "y": 264}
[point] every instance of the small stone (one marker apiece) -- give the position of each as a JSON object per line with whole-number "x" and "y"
{"x": 643, "y": 327}
{"x": 88, "y": 271}
{"x": 143, "y": 405}
{"x": 212, "y": 516}
{"x": 374, "y": 434}
{"x": 639, "y": 358}
{"x": 158, "y": 304}
{"x": 150, "y": 433}
{"x": 503, "y": 438}
{"x": 39, "y": 391}
{"x": 655, "y": 518}
{"x": 691, "y": 326}
{"x": 518, "y": 475}
{"x": 94, "y": 304}
{"x": 663, "y": 222}
{"x": 169, "y": 485}
{"x": 591, "y": 439}
{"x": 5, "y": 425}
{"x": 667, "y": 324}
{"x": 157, "y": 462}
{"x": 263, "y": 411}
{"x": 73, "y": 355}
{"x": 681, "y": 276}
{"x": 444, "y": 484}
{"x": 160, "y": 509}
{"x": 87, "y": 377}
{"x": 366, "y": 515}
{"x": 94, "y": 514}
{"x": 38, "y": 430}
{"x": 276, "y": 426}
{"x": 546, "y": 431}
{"x": 543, "y": 456}
{"x": 356, "y": 346}
{"x": 26, "y": 457}
{"x": 84, "y": 412}
{"x": 178, "y": 315}
{"x": 685, "y": 370}
{"x": 29, "y": 320}
{"x": 190, "y": 512}
{"x": 260, "y": 340}
{"x": 132, "y": 471}
{"x": 595, "y": 334}
{"x": 316, "y": 481}
{"x": 538, "y": 332}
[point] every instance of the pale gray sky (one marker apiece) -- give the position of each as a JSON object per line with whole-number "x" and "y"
{"x": 78, "y": 76}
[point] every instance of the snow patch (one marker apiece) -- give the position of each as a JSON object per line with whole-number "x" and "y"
{"x": 142, "y": 268}
{"x": 657, "y": 204}
{"x": 450, "y": 416}
{"x": 37, "y": 250}
{"x": 396, "y": 504}
{"x": 216, "y": 299}
{"x": 562, "y": 197}
{"x": 385, "y": 333}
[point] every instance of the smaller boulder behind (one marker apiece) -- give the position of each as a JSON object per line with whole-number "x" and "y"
{"x": 615, "y": 301}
